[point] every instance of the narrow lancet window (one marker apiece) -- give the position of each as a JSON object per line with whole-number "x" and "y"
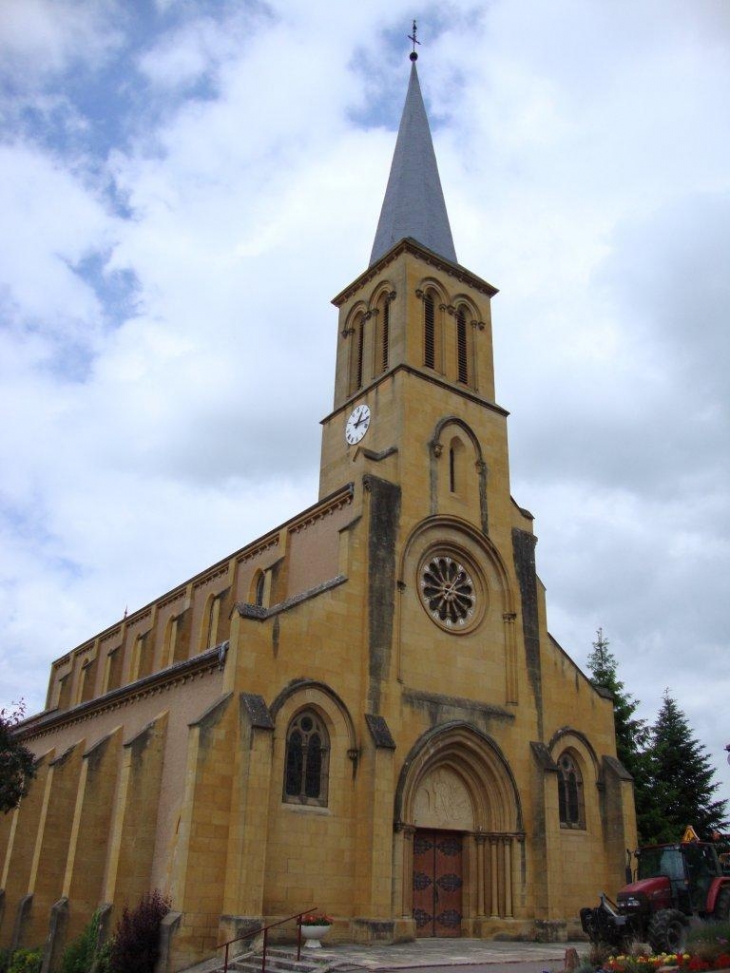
{"x": 429, "y": 331}
{"x": 456, "y": 465}
{"x": 360, "y": 351}
{"x": 461, "y": 346}
{"x": 260, "y": 589}
{"x": 385, "y": 336}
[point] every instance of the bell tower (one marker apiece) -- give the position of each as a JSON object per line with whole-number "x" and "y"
{"x": 414, "y": 394}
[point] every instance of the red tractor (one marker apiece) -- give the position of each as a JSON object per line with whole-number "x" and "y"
{"x": 674, "y": 884}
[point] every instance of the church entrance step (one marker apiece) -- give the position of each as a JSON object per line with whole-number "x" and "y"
{"x": 279, "y": 960}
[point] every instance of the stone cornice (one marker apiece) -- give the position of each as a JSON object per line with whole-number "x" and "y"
{"x": 409, "y": 245}
{"x": 427, "y": 376}
{"x": 199, "y": 666}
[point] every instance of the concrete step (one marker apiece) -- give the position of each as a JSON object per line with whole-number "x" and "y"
{"x": 286, "y": 959}
{"x": 278, "y": 960}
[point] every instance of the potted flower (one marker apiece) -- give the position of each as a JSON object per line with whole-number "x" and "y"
{"x": 315, "y": 925}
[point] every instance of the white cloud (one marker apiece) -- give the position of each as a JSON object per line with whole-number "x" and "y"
{"x": 42, "y": 37}
{"x": 51, "y": 223}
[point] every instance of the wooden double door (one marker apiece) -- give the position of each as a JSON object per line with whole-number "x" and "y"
{"x": 437, "y": 882}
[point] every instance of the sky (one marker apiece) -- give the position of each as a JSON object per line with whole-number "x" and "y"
{"x": 184, "y": 186}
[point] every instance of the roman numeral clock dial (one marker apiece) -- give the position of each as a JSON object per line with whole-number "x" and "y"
{"x": 357, "y": 425}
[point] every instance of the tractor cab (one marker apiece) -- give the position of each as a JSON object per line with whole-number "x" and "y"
{"x": 688, "y": 871}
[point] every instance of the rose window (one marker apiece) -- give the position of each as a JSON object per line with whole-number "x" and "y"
{"x": 448, "y": 592}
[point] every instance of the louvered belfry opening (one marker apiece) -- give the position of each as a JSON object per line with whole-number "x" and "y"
{"x": 429, "y": 331}
{"x": 461, "y": 346}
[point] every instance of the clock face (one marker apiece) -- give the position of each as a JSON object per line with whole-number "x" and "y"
{"x": 358, "y": 424}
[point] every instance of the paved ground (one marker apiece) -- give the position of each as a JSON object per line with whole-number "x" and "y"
{"x": 442, "y": 955}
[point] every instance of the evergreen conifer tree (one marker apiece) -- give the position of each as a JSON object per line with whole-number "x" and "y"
{"x": 682, "y": 780}
{"x": 632, "y": 733}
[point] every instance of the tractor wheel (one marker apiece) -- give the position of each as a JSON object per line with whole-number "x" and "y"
{"x": 722, "y": 905}
{"x": 668, "y": 931}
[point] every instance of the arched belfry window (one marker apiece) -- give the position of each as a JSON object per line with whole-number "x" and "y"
{"x": 462, "y": 345}
{"x": 570, "y": 792}
{"x": 360, "y": 338}
{"x": 355, "y": 330}
{"x": 383, "y": 350}
{"x": 306, "y": 771}
{"x": 429, "y": 330}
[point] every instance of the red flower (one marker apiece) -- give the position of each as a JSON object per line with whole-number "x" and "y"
{"x": 316, "y": 919}
{"x": 697, "y": 964}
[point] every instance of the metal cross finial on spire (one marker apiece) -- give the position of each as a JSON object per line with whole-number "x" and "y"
{"x": 412, "y": 37}
{"x": 414, "y": 203}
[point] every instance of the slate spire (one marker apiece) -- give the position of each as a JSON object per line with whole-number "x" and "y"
{"x": 414, "y": 204}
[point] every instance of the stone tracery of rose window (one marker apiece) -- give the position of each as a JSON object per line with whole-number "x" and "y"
{"x": 448, "y": 591}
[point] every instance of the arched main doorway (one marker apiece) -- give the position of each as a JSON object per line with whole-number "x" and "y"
{"x": 460, "y": 827}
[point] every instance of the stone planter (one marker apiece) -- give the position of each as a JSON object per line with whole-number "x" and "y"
{"x": 313, "y": 935}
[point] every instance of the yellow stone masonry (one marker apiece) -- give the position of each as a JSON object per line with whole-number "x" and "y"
{"x": 362, "y": 710}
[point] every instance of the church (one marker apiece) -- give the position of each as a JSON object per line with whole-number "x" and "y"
{"x": 361, "y": 710}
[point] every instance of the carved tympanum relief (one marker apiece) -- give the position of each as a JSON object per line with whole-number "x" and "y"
{"x": 442, "y": 801}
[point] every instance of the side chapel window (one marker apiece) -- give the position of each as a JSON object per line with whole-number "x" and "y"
{"x": 570, "y": 793}
{"x": 307, "y": 760}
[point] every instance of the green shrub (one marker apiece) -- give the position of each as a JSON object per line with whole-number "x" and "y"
{"x": 137, "y": 937}
{"x": 26, "y": 961}
{"x": 103, "y": 958}
{"x": 5, "y": 955}
{"x": 709, "y": 941}
{"x": 79, "y": 955}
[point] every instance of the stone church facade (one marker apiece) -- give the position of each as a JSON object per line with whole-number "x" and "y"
{"x": 361, "y": 710}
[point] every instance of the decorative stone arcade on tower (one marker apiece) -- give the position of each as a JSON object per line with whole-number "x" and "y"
{"x": 363, "y": 708}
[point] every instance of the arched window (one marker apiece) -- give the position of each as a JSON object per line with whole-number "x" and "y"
{"x": 570, "y": 793}
{"x": 306, "y": 771}
{"x": 64, "y": 691}
{"x": 259, "y": 589}
{"x": 462, "y": 347}
{"x": 175, "y": 648}
{"x": 143, "y": 660}
{"x": 360, "y": 335}
{"x": 383, "y": 335}
{"x": 456, "y": 464}
{"x": 88, "y": 677}
{"x": 209, "y": 627}
{"x": 114, "y": 661}
{"x": 355, "y": 330}
{"x": 429, "y": 330}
